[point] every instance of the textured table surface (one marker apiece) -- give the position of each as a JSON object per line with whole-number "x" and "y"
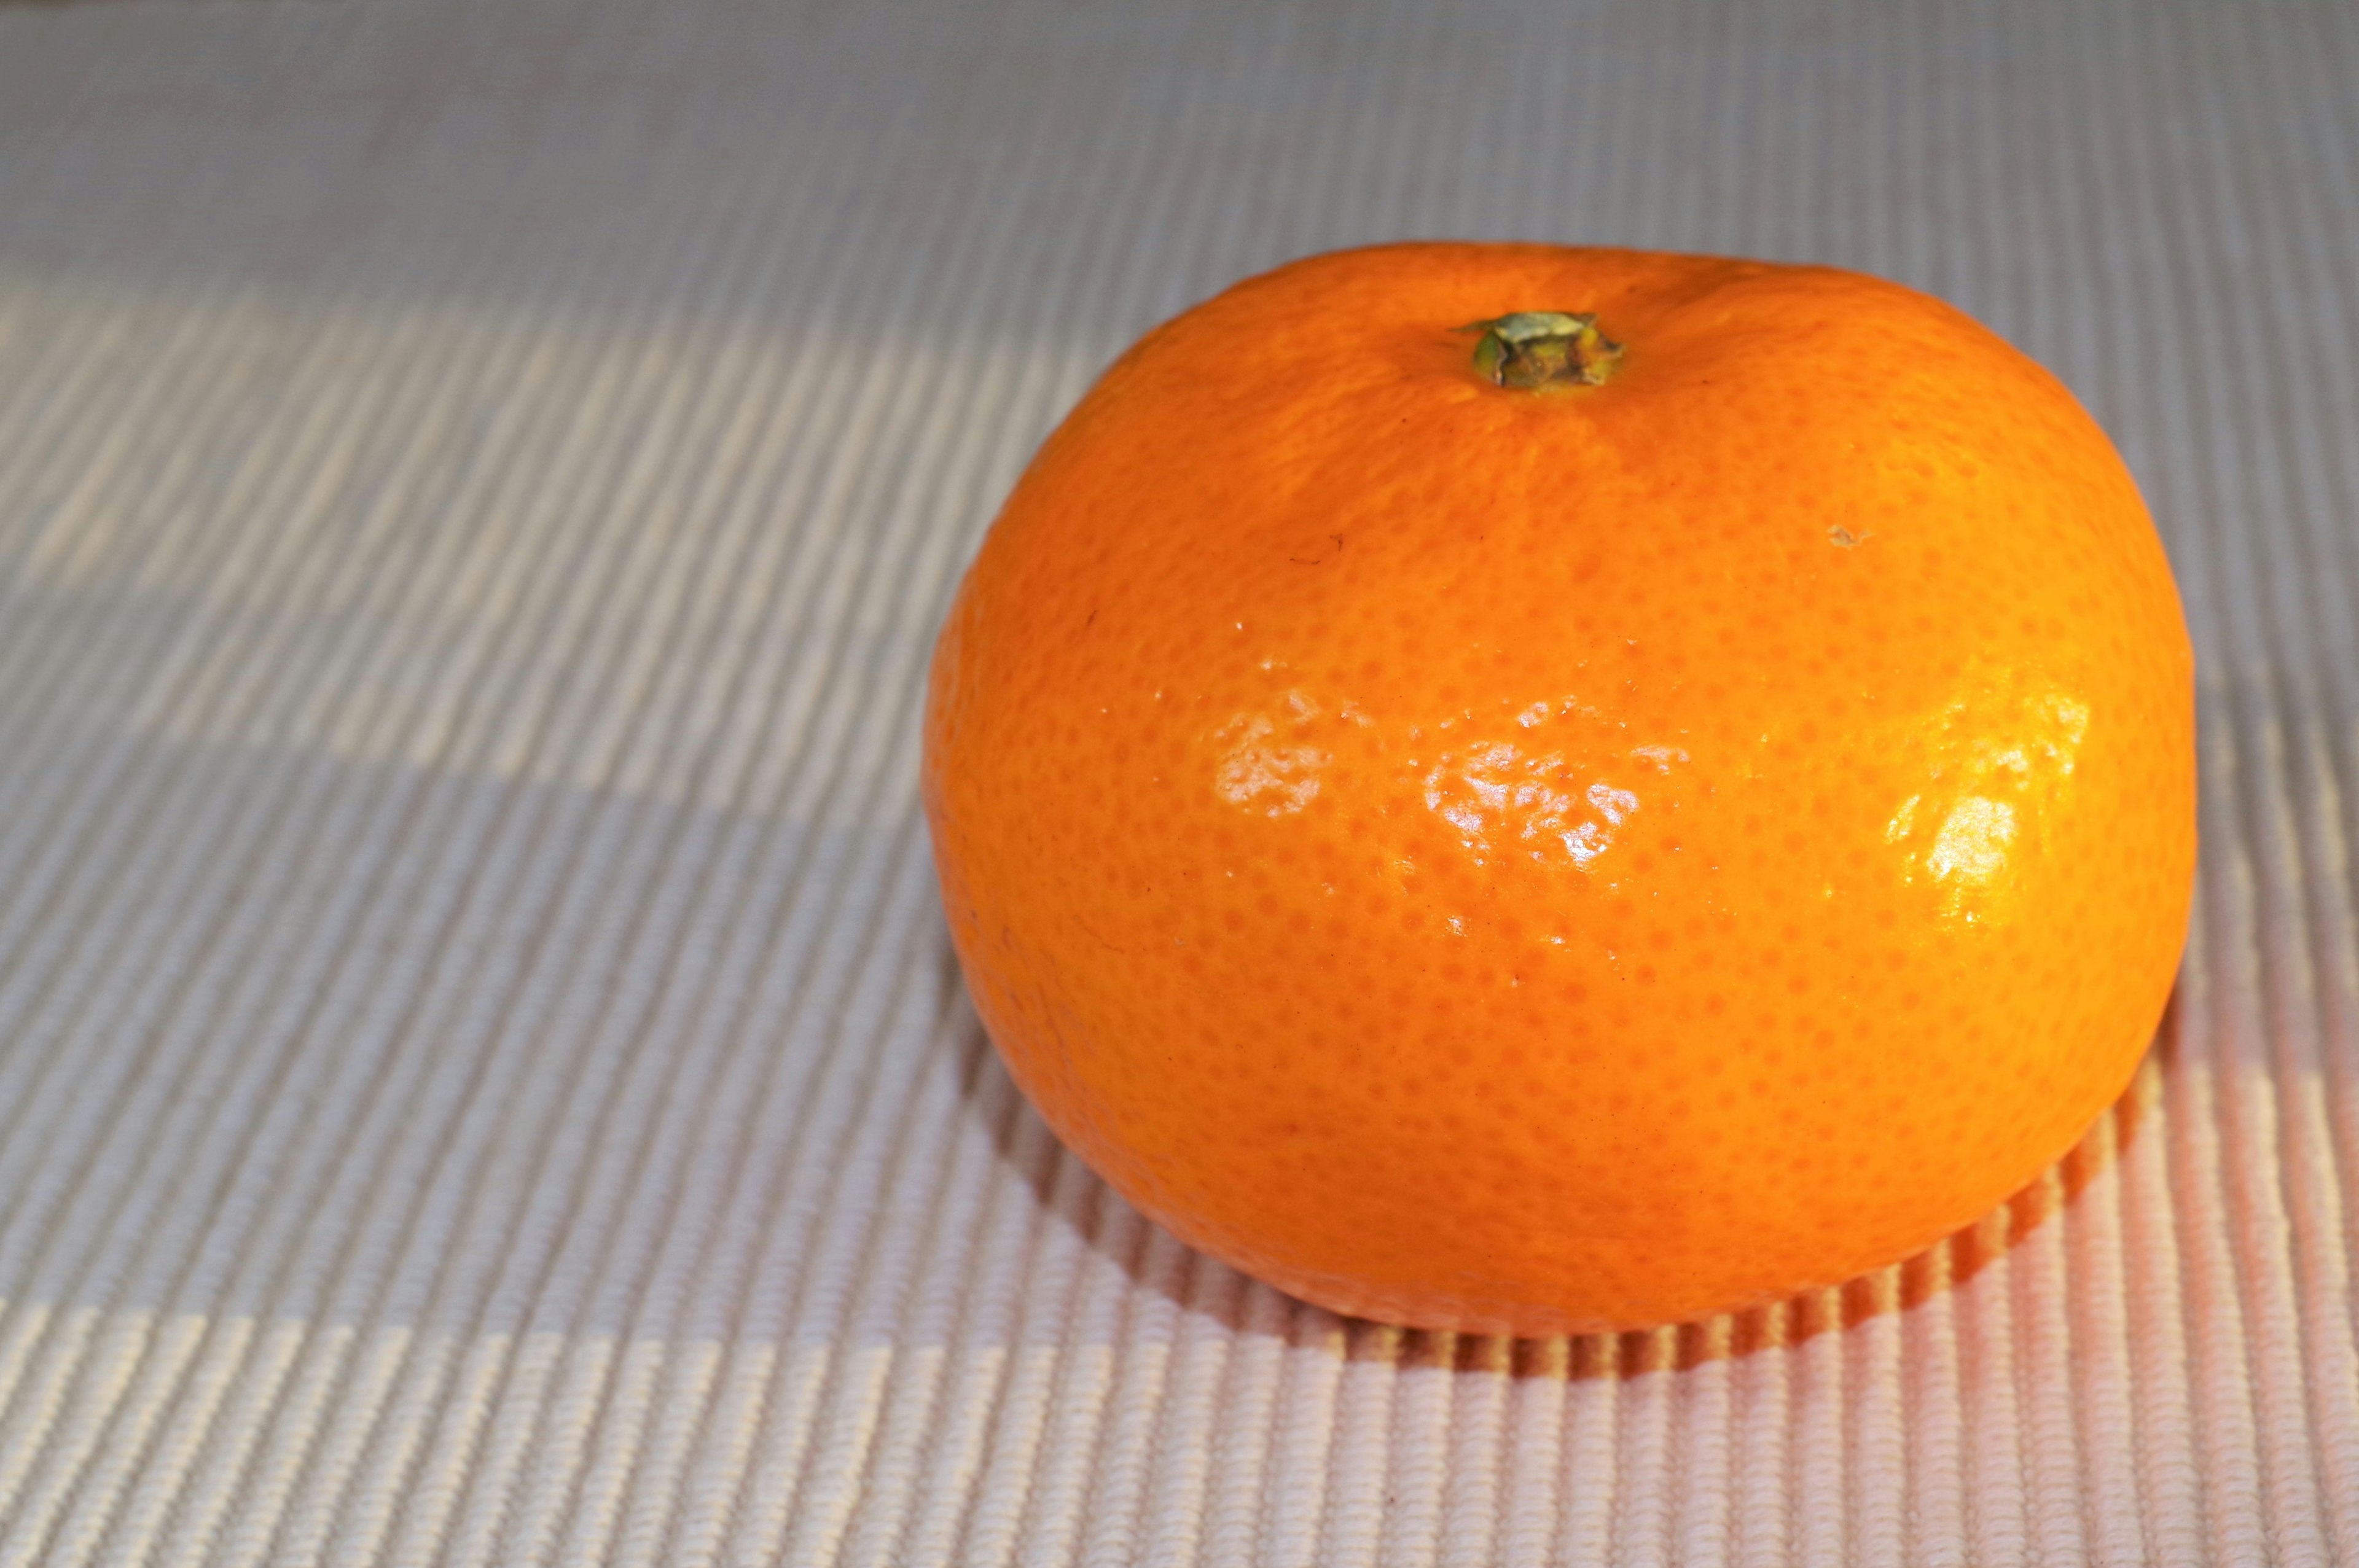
{"x": 482, "y": 1079}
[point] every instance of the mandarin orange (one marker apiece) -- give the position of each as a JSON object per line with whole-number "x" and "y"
{"x": 1520, "y": 789}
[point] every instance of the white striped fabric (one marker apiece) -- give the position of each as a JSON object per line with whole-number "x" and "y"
{"x": 480, "y": 1076}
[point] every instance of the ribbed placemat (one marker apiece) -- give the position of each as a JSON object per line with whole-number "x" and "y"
{"x": 482, "y": 1079}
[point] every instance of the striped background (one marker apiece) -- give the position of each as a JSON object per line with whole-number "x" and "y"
{"x": 481, "y": 1075}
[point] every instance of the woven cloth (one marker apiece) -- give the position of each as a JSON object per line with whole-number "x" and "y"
{"x": 482, "y": 1076}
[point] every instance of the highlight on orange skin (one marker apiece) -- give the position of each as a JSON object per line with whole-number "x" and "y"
{"x": 1557, "y": 858}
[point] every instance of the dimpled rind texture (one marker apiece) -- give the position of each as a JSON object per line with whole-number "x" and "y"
{"x": 1544, "y": 862}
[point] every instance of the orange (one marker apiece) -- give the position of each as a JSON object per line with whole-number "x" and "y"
{"x": 1489, "y": 834}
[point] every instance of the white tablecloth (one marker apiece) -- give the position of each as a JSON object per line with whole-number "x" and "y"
{"x": 482, "y": 1079}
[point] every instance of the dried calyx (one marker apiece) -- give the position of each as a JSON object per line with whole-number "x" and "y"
{"x": 1535, "y": 349}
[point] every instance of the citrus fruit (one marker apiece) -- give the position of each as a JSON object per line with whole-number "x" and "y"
{"x": 1520, "y": 789}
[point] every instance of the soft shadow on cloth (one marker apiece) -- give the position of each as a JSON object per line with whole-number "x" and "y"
{"x": 378, "y": 1046}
